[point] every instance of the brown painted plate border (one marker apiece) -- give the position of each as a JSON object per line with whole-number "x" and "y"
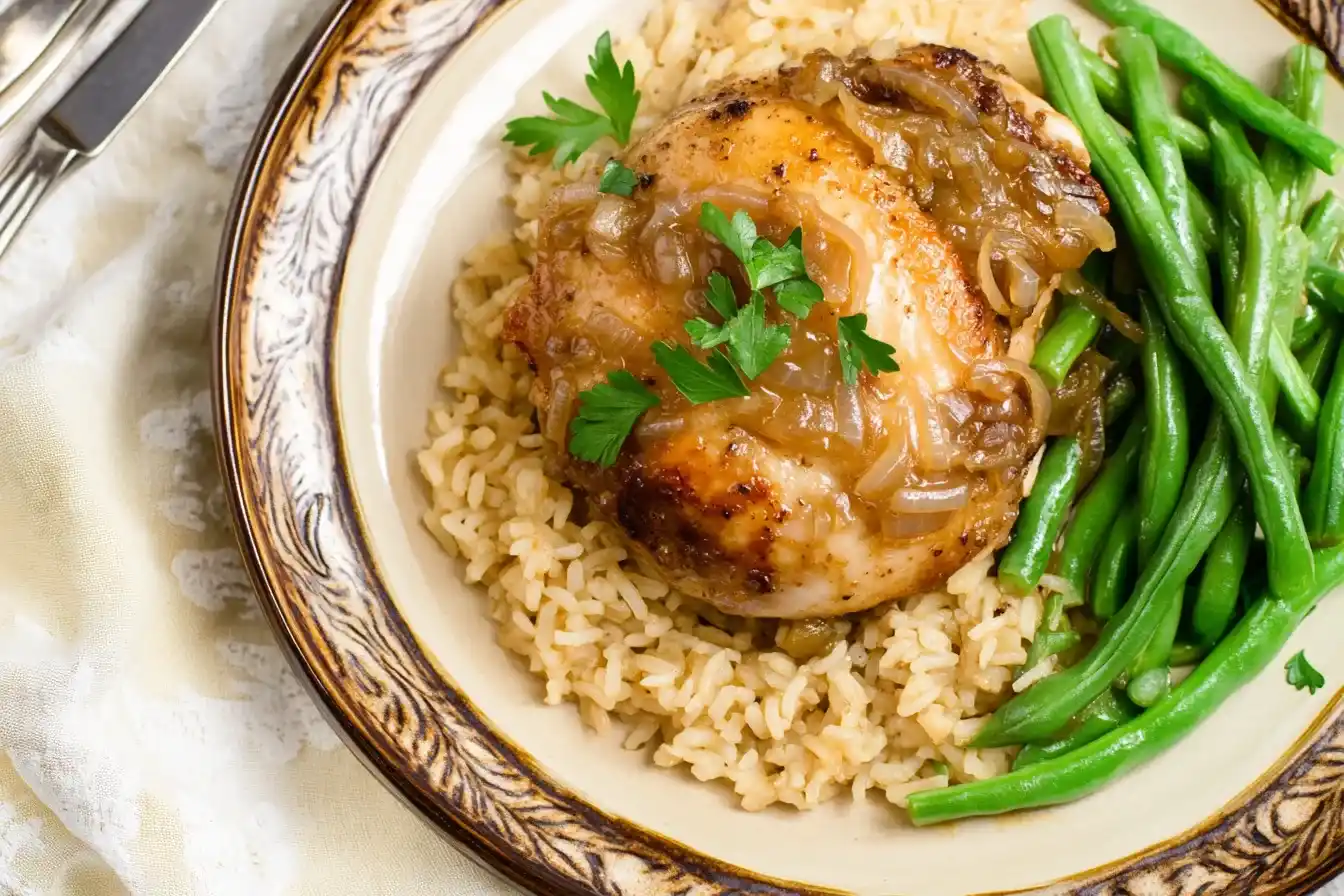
{"x": 280, "y": 274}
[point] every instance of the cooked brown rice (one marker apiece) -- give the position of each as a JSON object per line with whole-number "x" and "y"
{"x": 893, "y": 705}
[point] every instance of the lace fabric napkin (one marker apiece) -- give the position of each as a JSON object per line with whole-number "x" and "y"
{"x": 154, "y": 740}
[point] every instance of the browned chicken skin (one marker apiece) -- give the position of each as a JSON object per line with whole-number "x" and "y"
{"x": 812, "y": 498}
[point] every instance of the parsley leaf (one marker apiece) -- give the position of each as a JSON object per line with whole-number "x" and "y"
{"x": 753, "y": 345}
{"x": 617, "y": 179}
{"x": 798, "y": 296}
{"x": 700, "y": 383}
{"x": 767, "y": 265}
{"x": 574, "y": 128}
{"x": 607, "y": 414}
{"x": 721, "y": 298}
{"x": 705, "y": 334}
{"x": 1302, "y": 675}
{"x": 771, "y": 264}
{"x": 721, "y": 295}
{"x": 739, "y": 234}
{"x": 569, "y": 133}
{"x": 613, "y": 87}
{"x": 859, "y": 350}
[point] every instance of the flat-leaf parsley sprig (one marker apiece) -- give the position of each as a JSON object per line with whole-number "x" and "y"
{"x": 784, "y": 269}
{"x": 572, "y": 128}
{"x": 714, "y": 380}
{"x": 859, "y": 350}
{"x": 607, "y": 414}
{"x": 613, "y": 87}
{"x": 752, "y": 344}
{"x": 767, "y": 265}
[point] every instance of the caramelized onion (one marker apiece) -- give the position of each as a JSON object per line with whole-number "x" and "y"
{"x": 1088, "y": 295}
{"x": 1000, "y": 445}
{"x": 667, "y": 212}
{"x": 984, "y": 268}
{"x": 1038, "y": 395}
{"x": 914, "y": 525}
{"x": 889, "y": 470}
{"x": 1024, "y": 284}
{"x": 804, "y": 416}
{"x": 561, "y": 407}
{"x": 613, "y": 220}
{"x": 580, "y": 193}
{"x": 1073, "y": 399}
{"x": 815, "y": 377}
{"x": 1022, "y": 344}
{"x": 991, "y": 380}
{"x": 820, "y": 232}
{"x": 933, "y": 445}
{"x": 849, "y": 414}
{"x": 924, "y": 88}
{"x": 732, "y": 197}
{"x": 1093, "y": 439}
{"x": 660, "y": 428}
{"x": 818, "y": 80}
{"x": 1073, "y": 215}
{"x": 1007, "y": 204}
{"x": 876, "y": 129}
{"x": 931, "y": 498}
{"x": 617, "y": 338}
{"x": 670, "y": 258}
{"x": 957, "y": 407}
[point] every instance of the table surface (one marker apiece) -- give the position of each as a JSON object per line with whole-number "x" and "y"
{"x": 156, "y": 740}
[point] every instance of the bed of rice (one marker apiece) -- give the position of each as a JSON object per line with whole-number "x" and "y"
{"x": 889, "y": 709}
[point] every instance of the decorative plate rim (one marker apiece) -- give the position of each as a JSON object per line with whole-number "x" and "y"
{"x": 304, "y": 543}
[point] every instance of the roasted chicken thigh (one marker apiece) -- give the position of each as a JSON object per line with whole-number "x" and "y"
{"x": 937, "y": 197}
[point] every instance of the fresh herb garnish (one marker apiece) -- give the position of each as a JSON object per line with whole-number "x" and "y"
{"x": 1302, "y": 675}
{"x": 706, "y": 334}
{"x": 743, "y": 344}
{"x": 859, "y": 350}
{"x": 738, "y": 234}
{"x": 767, "y": 264}
{"x": 607, "y": 414}
{"x": 569, "y": 133}
{"x": 700, "y": 383}
{"x": 617, "y": 179}
{"x": 721, "y": 296}
{"x": 771, "y": 264}
{"x": 613, "y": 87}
{"x": 754, "y": 345}
{"x": 573, "y": 128}
{"x": 798, "y": 296}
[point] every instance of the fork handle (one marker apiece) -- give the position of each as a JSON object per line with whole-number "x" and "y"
{"x": 28, "y": 177}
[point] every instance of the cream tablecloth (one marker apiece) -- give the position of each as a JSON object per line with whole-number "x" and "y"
{"x": 153, "y": 739}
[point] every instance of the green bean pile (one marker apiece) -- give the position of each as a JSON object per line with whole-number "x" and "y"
{"x": 1239, "y": 291}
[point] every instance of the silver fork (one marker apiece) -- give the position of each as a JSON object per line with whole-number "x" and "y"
{"x": 37, "y": 37}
